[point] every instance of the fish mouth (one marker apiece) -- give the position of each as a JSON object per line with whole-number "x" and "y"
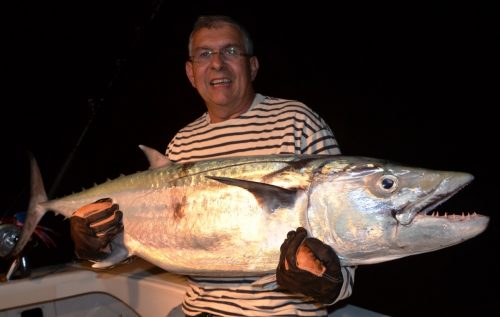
{"x": 426, "y": 205}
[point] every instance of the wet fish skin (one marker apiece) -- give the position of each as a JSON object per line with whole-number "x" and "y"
{"x": 228, "y": 217}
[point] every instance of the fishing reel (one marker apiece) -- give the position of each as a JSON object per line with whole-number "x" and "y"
{"x": 9, "y": 235}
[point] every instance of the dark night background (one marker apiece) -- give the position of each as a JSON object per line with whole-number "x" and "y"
{"x": 410, "y": 83}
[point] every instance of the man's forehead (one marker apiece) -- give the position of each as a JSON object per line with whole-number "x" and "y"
{"x": 222, "y": 34}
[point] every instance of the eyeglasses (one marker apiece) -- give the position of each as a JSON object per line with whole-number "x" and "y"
{"x": 230, "y": 53}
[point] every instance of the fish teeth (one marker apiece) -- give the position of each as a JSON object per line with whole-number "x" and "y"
{"x": 463, "y": 216}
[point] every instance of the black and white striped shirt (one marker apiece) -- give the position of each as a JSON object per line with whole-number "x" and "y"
{"x": 270, "y": 126}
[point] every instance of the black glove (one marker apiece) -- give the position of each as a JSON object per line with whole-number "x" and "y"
{"x": 310, "y": 267}
{"x": 93, "y": 226}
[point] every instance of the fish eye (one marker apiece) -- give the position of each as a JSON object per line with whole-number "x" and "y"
{"x": 388, "y": 183}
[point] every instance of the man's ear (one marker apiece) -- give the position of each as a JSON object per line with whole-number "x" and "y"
{"x": 254, "y": 67}
{"x": 190, "y": 72}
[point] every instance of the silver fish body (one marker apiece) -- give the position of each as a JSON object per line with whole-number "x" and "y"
{"x": 228, "y": 217}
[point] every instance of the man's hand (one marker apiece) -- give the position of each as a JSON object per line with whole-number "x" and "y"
{"x": 93, "y": 226}
{"x": 310, "y": 267}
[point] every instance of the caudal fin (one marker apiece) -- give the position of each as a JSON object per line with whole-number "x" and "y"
{"x": 35, "y": 210}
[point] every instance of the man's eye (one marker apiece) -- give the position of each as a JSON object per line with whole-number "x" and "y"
{"x": 232, "y": 51}
{"x": 205, "y": 54}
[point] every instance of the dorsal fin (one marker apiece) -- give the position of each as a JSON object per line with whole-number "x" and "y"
{"x": 269, "y": 197}
{"x": 155, "y": 158}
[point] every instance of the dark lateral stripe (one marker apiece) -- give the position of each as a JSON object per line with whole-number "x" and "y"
{"x": 287, "y": 105}
{"x": 286, "y": 109}
{"x": 297, "y": 108}
{"x": 226, "y": 135}
{"x": 231, "y": 299}
{"x": 320, "y": 140}
{"x": 226, "y": 280}
{"x": 279, "y": 114}
{"x": 241, "y": 125}
{"x": 324, "y": 150}
{"x": 263, "y": 293}
{"x": 230, "y": 304}
{"x": 201, "y": 145}
{"x": 273, "y": 112}
{"x": 235, "y": 151}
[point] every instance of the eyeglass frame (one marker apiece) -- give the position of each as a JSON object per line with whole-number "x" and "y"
{"x": 223, "y": 53}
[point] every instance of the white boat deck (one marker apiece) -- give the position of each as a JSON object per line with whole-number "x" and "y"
{"x": 135, "y": 289}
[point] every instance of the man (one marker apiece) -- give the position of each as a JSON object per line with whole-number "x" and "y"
{"x": 221, "y": 67}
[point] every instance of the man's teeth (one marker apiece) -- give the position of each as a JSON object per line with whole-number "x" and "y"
{"x": 220, "y": 82}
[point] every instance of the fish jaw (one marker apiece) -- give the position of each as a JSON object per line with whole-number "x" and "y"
{"x": 433, "y": 232}
{"x": 420, "y": 230}
{"x": 371, "y": 220}
{"x": 439, "y": 186}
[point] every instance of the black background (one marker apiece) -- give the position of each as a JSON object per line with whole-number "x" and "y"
{"x": 410, "y": 83}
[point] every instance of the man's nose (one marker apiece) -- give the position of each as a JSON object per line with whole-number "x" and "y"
{"x": 217, "y": 60}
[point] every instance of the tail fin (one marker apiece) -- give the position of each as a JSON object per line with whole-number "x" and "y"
{"x": 35, "y": 210}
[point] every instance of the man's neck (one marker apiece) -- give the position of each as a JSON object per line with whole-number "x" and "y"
{"x": 221, "y": 113}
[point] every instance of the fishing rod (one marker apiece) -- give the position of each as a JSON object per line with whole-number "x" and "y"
{"x": 96, "y": 104}
{"x": 19, "y": 264}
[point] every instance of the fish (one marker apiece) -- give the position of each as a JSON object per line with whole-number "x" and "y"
{"x": 229, "y": 216}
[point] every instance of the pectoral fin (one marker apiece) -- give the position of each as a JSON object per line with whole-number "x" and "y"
{"x": 269, "y": 197}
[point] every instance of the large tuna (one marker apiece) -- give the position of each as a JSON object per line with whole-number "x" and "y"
{"x": 228, "y": 217}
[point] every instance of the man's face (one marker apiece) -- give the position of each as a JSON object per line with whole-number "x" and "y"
{"x": 221, "y": 81}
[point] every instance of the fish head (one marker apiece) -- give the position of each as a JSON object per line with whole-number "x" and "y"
{"x": 372, "y": 211}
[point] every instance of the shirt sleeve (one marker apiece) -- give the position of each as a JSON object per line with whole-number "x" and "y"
{"x": 321, "y": 142}
{"x": 348, "y": 275}
{"x": 318, "y": 138}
